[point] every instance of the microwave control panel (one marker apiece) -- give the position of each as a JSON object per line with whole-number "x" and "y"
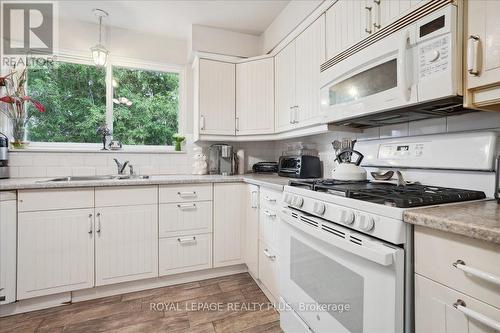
{"x": 403, "y": 151}
{"x": 434, "y": 56}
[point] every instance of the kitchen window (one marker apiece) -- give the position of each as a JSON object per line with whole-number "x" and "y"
{"x": 140, "y": 102}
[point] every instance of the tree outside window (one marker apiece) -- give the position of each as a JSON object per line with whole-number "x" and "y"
{"x": 145, "y": 104}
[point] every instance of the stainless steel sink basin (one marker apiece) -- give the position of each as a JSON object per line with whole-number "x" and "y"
{"x": 94, "y": 178}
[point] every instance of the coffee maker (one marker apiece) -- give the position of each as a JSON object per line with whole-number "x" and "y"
{"x": 4, "y": 156}
{"x": 222, "y": 160}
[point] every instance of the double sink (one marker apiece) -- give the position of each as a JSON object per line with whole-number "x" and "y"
{"x": 94, "y": 178}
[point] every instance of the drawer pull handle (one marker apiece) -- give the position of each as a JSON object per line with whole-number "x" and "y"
{"x": 460, "y": 306}
{"x": 270, "y": 214}
{"x": 460, "y": 264}
{"x": 268, "y": 198}
{"x": 187, "y": 194}
{"x": 98, "y": 228}
{"x": 187, "y": 207}
{"x": 90, "y": 224}
{"x": 269, "y": 255}
{"x": 186, "y": 240}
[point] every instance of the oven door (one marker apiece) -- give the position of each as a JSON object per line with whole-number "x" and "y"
{"x": 338, "y": 280}
{"x": 377, "y": 78}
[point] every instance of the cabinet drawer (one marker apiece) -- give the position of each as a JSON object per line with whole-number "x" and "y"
{"x": 185, "y": 193}
{"x": 268, "y": 268}
{"x": 53, "y": 199}
{"x": 126, "y": 196}
{"x": 178, "y": 219}
{"x": 435, "y": 313}
{"x": 269, "y": 198}
{"x": 436, "y": 252}
{"x": 185, "y": 254}
{"x": 268, "y": 222}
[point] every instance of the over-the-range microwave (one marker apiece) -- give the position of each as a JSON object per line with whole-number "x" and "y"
{"x": 419, "y": 65}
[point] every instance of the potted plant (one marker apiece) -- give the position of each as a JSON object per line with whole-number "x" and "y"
{"x": 178, "y": 140}
{"x": 13, "y": 104}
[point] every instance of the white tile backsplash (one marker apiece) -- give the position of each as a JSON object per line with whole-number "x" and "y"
{"x": 57, "y": 164}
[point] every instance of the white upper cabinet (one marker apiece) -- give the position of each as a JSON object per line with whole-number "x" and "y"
{"x": 297, "y": 69}
{"x": 348, "y": 22}
{"x": 483, "y": 54}
{"x": 255, "y": 97}
{"x": 309, "y": 55}
{"x": 284, "y": 70}
{"x": 216, "y": 90}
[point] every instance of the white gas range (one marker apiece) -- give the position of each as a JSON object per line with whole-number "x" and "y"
{"x": 346, "y": 261}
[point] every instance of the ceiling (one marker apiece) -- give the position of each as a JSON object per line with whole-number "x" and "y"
{"x": 173, "y": 18}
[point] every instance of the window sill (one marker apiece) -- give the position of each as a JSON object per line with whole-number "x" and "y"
{"x": 124, "y": 150}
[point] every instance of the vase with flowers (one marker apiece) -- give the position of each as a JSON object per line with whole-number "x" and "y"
{"x": 13, "y": 103}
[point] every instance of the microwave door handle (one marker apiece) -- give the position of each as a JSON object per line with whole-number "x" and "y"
{"x": 402, "y": 65}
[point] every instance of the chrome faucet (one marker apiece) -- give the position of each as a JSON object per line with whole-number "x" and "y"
{"x": 122, "y": 166}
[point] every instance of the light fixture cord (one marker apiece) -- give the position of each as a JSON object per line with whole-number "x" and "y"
{"x": 100, "y": 29}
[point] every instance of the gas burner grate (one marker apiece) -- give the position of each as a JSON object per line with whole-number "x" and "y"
{"x": 414, "y": 195}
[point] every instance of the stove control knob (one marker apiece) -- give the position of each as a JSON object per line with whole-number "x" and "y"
{"x": 347, "y": 217}
{"x": 366, "y": 223}
{"x": 288, "y": 199}
{"x": 298, "y": 202}
{"x": 319, "y": 208}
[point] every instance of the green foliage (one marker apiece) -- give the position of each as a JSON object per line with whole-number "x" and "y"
{"x": 75, "y": 98}
{"x": 152, "y": 117}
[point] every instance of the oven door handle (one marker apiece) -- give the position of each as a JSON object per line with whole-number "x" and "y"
{"x": 382, "y": 255}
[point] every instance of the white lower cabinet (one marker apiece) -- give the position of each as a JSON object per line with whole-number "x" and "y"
{"x": 252, "y": 230}
{"x": 435, "y": 311}
{"x": 126, "y": 243}
{"x": 268, "y": 268}
{"x": 185, "y": 253}
{"x": 55, "y": 252}
{"x": 179, "y": 219}
{"x": 456, "y": 283}
{"x": 229, "y": 215}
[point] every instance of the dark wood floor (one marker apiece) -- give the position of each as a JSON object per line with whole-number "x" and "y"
{"x": 227, "y": 304}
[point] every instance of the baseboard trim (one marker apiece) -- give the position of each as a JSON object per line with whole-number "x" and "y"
{"x": 45, "y": 302}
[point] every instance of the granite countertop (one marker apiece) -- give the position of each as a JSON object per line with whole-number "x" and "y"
{"x": 478, "y": 219}
{"x": 271, "y": 181}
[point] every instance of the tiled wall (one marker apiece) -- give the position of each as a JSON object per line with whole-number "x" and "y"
{"x": 467, "y": 122}
{"x": 55, "y": 164}
{"x": 58, "y": 164}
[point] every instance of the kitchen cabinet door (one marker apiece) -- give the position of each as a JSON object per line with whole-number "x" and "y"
{"x": 435, "y": 311}
{"x": 55, "y": 252}
{"x": 284, "y": 75}
{"x": 483, "y": 53}
{"x": 229, "y": 216}
{"x": 347, "y": 22}
{"x": 216, "y": 97}
{"x": 310, "y": 54}
{"x": 252, "y": 230}
{"x": 126, "y": 243}
{"x": 269, "y": 268}
{"x": 255, "y": 97}
{"x": 8, "y": 247}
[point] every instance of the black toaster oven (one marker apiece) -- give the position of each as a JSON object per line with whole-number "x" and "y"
{"x": 299, "y": 166}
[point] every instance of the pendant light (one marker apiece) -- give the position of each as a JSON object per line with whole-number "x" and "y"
{"x": 99, "y": 52}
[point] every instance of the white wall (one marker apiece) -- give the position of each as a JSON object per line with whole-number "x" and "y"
{"x": 78, "y": 36}
{"x": 220, "y": 41}
{"x": 289, "y": 18}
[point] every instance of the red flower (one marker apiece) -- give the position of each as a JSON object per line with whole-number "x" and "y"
{"x": 35, "y": 103}
{"x": 7, "y": 99}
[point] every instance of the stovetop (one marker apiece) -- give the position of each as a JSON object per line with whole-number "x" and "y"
{"x": 414, "y": 195}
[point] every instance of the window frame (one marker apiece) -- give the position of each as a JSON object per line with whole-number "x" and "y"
{"x": 124, "y": 62}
